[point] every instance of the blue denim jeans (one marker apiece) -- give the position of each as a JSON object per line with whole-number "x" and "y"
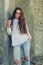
{"x": 17, "y": 51}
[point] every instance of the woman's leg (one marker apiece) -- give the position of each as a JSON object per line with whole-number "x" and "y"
{"x": 26, "y": 48}
{"x": 17, "y": 55}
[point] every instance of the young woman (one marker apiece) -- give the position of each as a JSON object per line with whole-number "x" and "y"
{"x": 20, "y": 36}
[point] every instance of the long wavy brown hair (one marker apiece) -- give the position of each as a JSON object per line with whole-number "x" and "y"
{"x": 22, "y": 24}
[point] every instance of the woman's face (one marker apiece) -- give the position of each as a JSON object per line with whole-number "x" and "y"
{"x": 17, "y": 15}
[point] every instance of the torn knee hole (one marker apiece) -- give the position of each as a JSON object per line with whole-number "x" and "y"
{"x": 16, "y": 61}
{"x": 26, "y": 58}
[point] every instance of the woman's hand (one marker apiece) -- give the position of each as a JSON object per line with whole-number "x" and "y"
{"x": 29, "y": 38}
{"x": 9, "y": 23}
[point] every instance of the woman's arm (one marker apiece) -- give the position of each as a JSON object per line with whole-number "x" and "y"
{"x": 28, "y": 32}
{"x": 9, "y": 23}
{"x": 9, "y": 27}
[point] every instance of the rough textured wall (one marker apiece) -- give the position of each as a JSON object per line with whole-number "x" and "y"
{"x": 2, "y": 47}
{"x": 33, "y": 11}
{"x": 38, "y": 27}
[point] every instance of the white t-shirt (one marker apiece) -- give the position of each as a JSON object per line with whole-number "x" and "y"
{"x": 16, "y": 37}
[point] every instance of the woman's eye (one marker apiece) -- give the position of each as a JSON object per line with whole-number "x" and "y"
{"x": 18, "y": 13}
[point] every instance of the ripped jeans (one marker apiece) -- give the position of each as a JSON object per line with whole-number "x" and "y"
{"x": 17, "y": 51}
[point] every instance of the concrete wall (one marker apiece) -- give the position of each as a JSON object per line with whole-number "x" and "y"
{"x": 33, "y": 11}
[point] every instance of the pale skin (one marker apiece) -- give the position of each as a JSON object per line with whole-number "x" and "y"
{"x": 17, "y": 15}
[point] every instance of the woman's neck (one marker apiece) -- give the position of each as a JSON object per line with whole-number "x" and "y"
{"x": 16, "y": 19}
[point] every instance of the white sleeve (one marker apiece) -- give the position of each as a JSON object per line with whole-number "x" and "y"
{"x": 28, "y": 31}
{"x": 9, "y": 30}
